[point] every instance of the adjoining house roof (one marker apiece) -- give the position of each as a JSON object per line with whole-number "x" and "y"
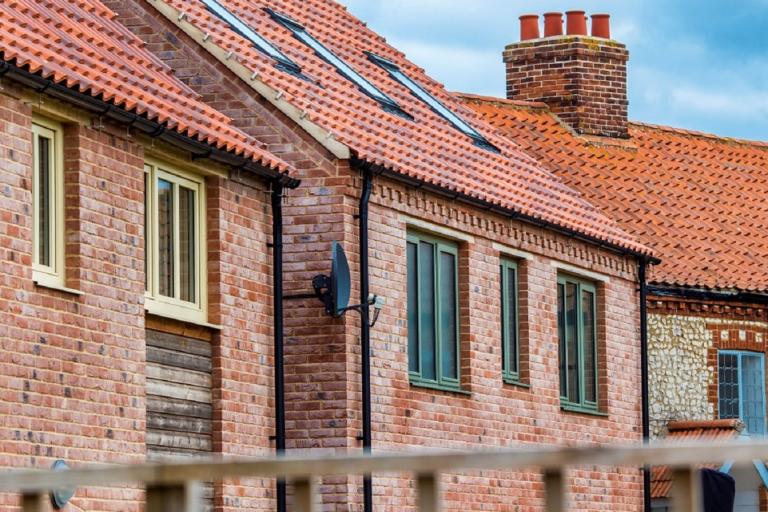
{"x": 427, "y": 148}
{"x": 686, "y": 431}
{"x": 698, "y": 200}
{"x": 78, "y": 44}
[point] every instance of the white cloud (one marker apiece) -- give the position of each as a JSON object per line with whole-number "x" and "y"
{"x": 747, "y": 105}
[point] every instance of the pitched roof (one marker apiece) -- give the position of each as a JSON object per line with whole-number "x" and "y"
{"x": 427, "y": 148}
{"x": 78, "y": 44}
{"x": 686, "y": 431}
{"x": 698, "y": 200}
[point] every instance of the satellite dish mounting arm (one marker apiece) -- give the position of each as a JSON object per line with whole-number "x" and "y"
{"x": 334, "y": 290}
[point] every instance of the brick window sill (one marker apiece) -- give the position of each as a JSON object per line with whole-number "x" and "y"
{"x": 575, "y": 409}
{"x": 438, "y": 387}
{"x": 516, "y": 383}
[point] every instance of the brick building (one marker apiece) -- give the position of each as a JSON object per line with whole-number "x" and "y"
{"x": 471, "y": 243}
{"x": 135, "y": 279}
{"x": 512, "y": 312}
{"x": 697, "y": 199}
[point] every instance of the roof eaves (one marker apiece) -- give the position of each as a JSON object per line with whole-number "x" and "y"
{"x": 642, "y": 252}
{"x": 699, "y": 293}
{"x": 153, "y": 128}
{"x": 251, "y": 78}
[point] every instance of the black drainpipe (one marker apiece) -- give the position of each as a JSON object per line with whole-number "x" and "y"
{"x": 365, "y": 331}
{"x": 642, "y": 265}
{"x": 277, "y": 277}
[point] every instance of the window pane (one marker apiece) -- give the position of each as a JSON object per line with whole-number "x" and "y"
{"x": 728, "y": 386}
{"x": 165, "y": 237}
{"x": 341, "y": 66}
{"x": 246, "y": 31}
{"x": 590, "y": 355}
{"x": 448, "y": 349}
{"x": 44, "y": 201}
{"x": 571, "y": 334}
{"x": 187, "y": 242}
{"x": 561, "y": 336}
{"x": 418, "y": 91}
{"x": 753, "y": 404}
{"x": 511, "y": 315}
{"x": 413, "y": 309}
{"x": 504, "y": 321}
{"x": 427, "y": 310}
{"x": 147, "y": 244}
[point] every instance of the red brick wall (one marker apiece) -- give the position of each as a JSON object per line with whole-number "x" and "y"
{"x": 498, "y": 414}
{"x": 240, "y": 301}
{"x": 72, "y": 370}
{"x": 582, "y": 79}
{"x": 72, "y": 381}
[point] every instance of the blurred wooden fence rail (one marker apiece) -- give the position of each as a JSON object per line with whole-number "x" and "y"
{"x": 173, "y": 487}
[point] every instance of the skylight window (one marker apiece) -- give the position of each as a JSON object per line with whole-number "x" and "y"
{"x": 418, "y": 91}
{"x": 247, "y": 32}
{"x": 342, "y": 67}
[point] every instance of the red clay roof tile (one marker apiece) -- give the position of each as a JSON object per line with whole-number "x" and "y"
{"x": 697, "y": 199}
{"x": 692, "y": 430}
{"x": 79, "y": 44}
{"x": 428, "y": 148}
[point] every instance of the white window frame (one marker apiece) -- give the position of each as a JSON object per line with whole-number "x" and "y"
{"x": 156, "y": 304}
{"x": 51, "y": 275}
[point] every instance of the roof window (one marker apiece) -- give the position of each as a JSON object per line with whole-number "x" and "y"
{"x": 342, "y": 67}
{"x": 242, "y": 28}
{"x": 418, "y": 91}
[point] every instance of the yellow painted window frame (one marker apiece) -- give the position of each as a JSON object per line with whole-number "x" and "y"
{"x": 155, "y": 303}
{"x": 48, "y": 275}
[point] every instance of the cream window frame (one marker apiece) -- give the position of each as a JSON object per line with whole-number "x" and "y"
{"x": 155, "y": 303}
{"x": 51, "y": 275}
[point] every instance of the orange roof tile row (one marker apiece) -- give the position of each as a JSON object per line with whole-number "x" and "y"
{"x": 699, "y": 201}
{"x": 704, "y": 430}
{"x": 427, "y": 148}
{"x": 78, "y": 43}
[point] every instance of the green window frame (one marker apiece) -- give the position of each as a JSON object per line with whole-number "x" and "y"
{"x": 578, "y": 348}
{"x": 433, "y": 312}
{"x": 510, "y": 321}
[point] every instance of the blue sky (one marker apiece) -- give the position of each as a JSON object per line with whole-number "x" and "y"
{"x": 700, "y": 65}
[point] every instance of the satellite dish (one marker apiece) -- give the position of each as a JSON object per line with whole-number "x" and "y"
{"x": 334, "y": 290}
{"x": 341, "y": 283}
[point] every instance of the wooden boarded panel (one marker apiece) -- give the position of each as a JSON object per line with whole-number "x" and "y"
{"x": 172, "y": 358}
{"x": 179, "y": 401}
{"x": 166, "y": 405}
{"x": 178, "y": 390}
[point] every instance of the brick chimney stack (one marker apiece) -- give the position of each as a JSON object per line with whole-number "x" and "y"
{"x": 582, "y": 78}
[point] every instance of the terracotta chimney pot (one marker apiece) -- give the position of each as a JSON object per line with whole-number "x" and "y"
{"x": 576, "y": 23}
{"x": 601, "y": 25}
{"x": 529, "y": 27}
{"x": 553, "y": 24}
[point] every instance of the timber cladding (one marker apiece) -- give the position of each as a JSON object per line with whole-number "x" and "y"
{"x": 179, "y": 401}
